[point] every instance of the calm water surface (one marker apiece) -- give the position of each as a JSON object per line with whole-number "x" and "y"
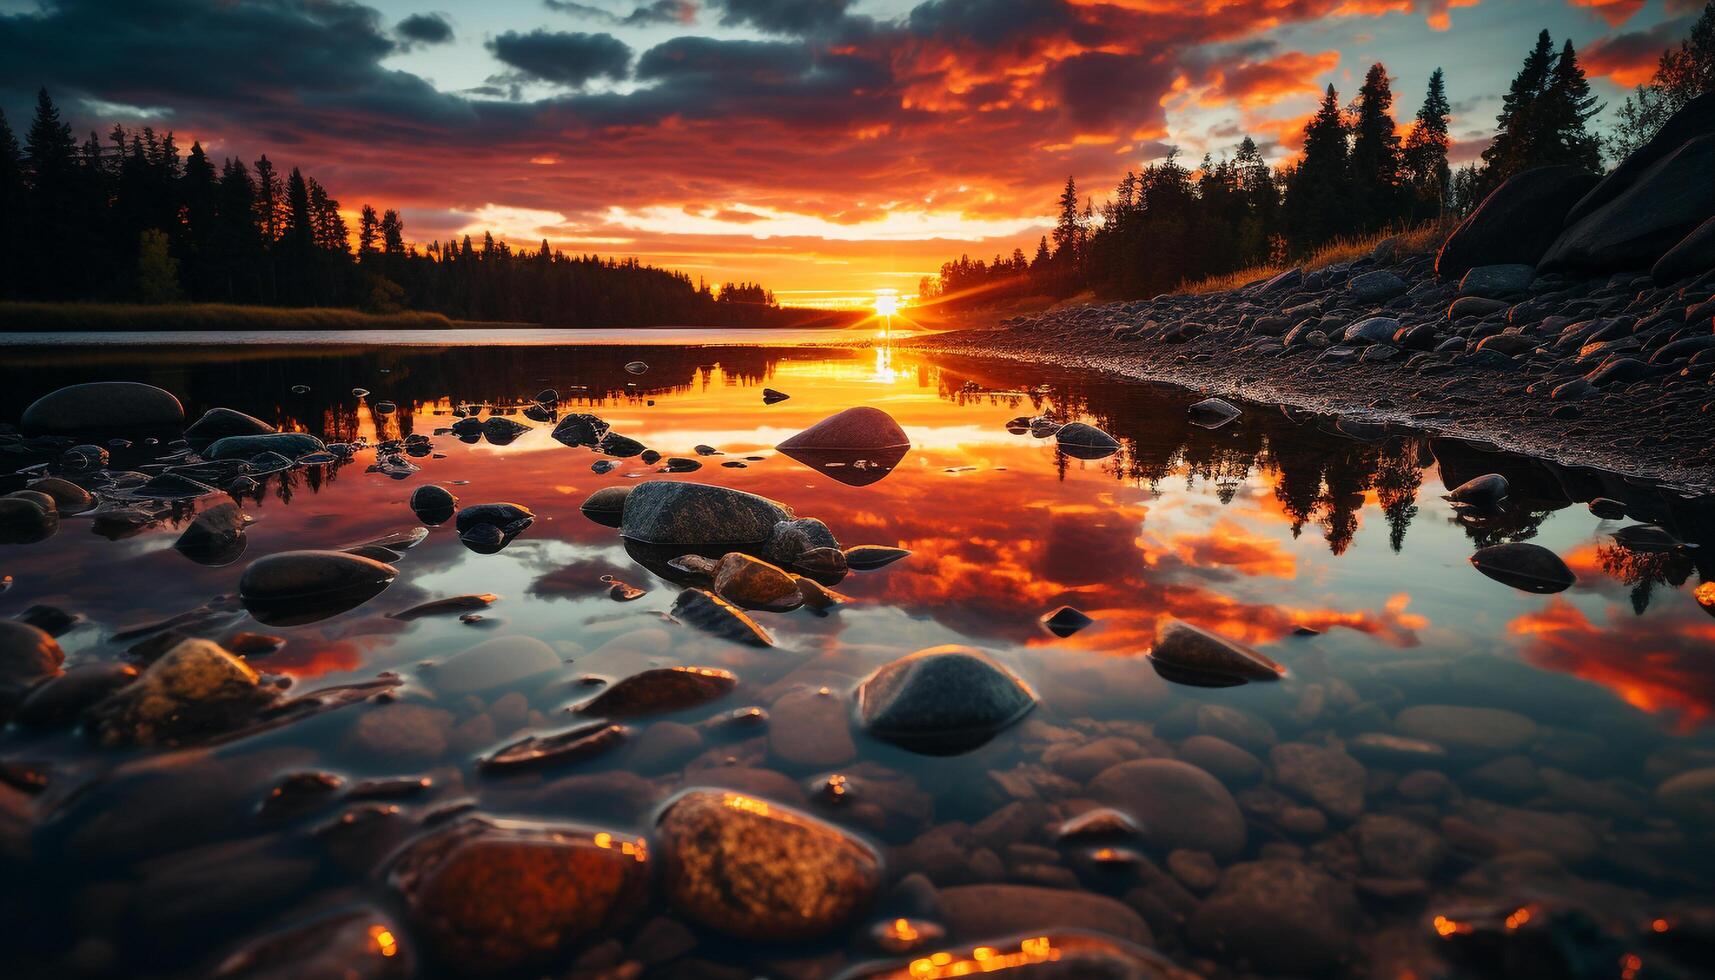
{"x": 1568, "y": 836}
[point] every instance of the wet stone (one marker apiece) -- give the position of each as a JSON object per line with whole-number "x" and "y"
{"x": 500, "y": 662}
{"x": 869, "y": 557}
{"x": 1085, "y": 441}
{"x": 810, "y": 729}
{"x": 696, "y": 515}
{"x": 289, "y": 445}
{"x": 942, "y": 700}
{"x": 606, "y": 506}
{"x": 197, "y": 689}
{"x": 660, "y": 690}
{"x": 710, "y": 613}
{"x": 296, "y": 587}
{"x": 433, "y": 504}
{"x": 1280, "y": 916}
{"x": 752, "y": 583}
{"x": 1327, "y": 777}
{"x": 1190, "y": 655}
{"x": 492, "y": 899}
{"x": 1467, "y": 729}
{"x": 542, "y": 751}
{"x": 757, "y": 870}
{"x": 215, "y": 537}
{"x": 1525, "y": 566}
{"x": 975, "y": 912}
{"x": 1065, "y": 621}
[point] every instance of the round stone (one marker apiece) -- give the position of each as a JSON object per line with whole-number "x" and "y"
{"x": 942, "y": 700}
{"x": 1189, "y": 655}
{"x": 760, "y": 871}
{"x": 696, "y": 515}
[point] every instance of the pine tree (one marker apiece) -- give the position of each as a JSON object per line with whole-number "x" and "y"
{"x": 1375, "y": 165}
{"x": 157, "y": 270}
{"x": 12, "y": 199}
{"x": 367, "y": 230}
{"x": 1066, "y": 229}
{"x": 1566, "y": 107}
{"x": 1425, "y": 153}
{"x": 1514, "y": 146}
{"x": 1317, "y": 196}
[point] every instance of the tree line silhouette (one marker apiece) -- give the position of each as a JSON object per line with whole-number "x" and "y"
{"x": 1169, "y": 224}
{"x": 131, "y": 218}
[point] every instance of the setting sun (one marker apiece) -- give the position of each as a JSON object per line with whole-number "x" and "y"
{"x": 886, "y": 302}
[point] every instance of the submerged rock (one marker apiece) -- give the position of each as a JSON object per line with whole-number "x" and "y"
{"x": 195, "y": 690}
{"x": 487, "y": 528}
{"x": 712, "y": 614}
{"x": 972, "y": 912}
{"x": 1036, "y": 954}
{"x": 942, "y": 701}
{"x": 1325, "y": 776}
{"x": 541, "y": 751}
{"x": 1525, "y": 566}
{"x": 756, "y": 870}
{"x": 1083, "y": 441}
{"x": 216, "y": 537}
{"x": 1467, "y": 729}
{"x": 660, "y": 690}
{"x": 500, "y": 662}
{"x": 791, "y": 542}
{"x": 297, "y": 587}
{"x": 105, "y": 406}
{"x": 755, "y": 584}
{"x": 1282, "y": 917}
{"x": 1647, "y": 538}
{"x": 492, "y": 898}
{"x": 1187, "y": 654}
{"x": 1176, "y": 804}
{"x": 28, "y": 656}
{"x": 359, "y": 943}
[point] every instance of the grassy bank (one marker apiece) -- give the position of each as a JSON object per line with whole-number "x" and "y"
{"x": 19, "y": 317}
{"x": 1425, "y": 239}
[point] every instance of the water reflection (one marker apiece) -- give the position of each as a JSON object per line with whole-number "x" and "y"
{"x": 1333, "y": 555}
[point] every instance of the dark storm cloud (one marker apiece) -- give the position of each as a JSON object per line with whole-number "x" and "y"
{"x": 424, "y": 29}
{"x": 997, "y": 23}
{"x": 277, "y": 62}
{"x": 563, "y": 57}
{"x": 724, "y": 61}
{"x": 784, "y": 16}
{"x": 657, "y": 12}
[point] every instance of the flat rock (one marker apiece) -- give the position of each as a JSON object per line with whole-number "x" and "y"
{"x": 757, "y": 870}
{"x": 710, "y": 613}
{"x": 1176, "y": 804}
{"x": 1646, "y": 219}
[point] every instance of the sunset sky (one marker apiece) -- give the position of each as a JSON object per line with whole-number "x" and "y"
{"x": 827, "y": 148}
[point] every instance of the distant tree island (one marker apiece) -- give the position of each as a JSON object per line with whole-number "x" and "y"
{"x": 132, "y": 220}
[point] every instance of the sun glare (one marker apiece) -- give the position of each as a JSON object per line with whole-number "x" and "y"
{"x": 886, "y": 302}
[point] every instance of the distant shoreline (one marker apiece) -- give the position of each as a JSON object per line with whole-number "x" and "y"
{"x": 54, "y": 317}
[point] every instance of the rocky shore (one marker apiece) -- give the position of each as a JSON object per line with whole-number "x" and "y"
{"x": 1569, "y": 317}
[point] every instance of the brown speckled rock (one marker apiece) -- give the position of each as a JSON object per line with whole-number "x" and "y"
{"x": 755, "y": 584}
{"x": 497, "y": 898}
{"x": 197, "y": 689}
{"x": 758, "y": 870}
{"x": 660, "y": 689}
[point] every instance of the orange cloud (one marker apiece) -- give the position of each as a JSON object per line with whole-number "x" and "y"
{"x": 1615, "y": 12}
{"x": 1266, "y": 82}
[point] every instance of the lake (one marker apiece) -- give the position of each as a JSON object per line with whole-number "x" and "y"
{"x": 1455, "y": 775}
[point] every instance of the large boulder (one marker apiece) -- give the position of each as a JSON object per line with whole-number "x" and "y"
{"x": 1697, "y": 118}
{"x": 218, "y": 423}
{"x": 103, "y": 406}
{"x": 1641, "y": 223}
{"x": 1516, "y": 223}
{"x": 1693, "y": 256}
{"x": 696, "y": 515}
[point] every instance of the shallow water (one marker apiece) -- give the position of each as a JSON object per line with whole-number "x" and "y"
{"x": 1549, "y": 844}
